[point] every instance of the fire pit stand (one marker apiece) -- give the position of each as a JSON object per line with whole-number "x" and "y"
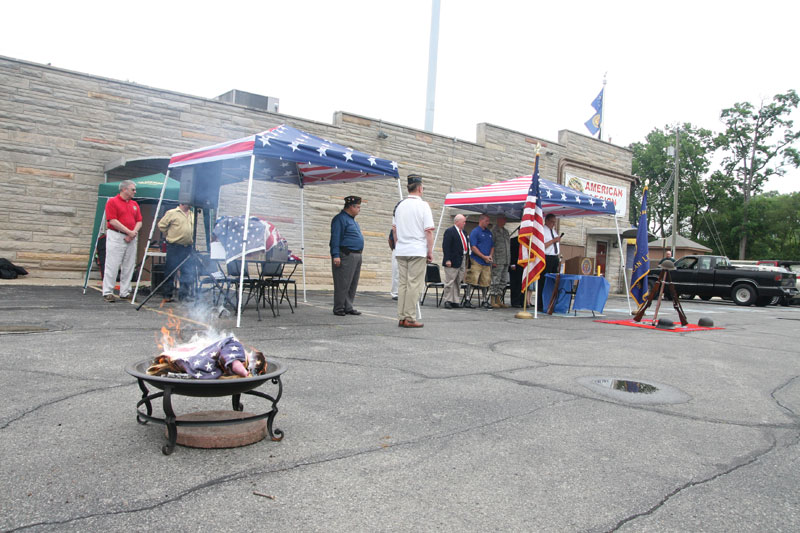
{"x": 205, "y": 388}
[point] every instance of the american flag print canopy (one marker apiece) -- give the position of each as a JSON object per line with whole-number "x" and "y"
{"x": 508, "y": 198}
{"x": 288, "y": 155}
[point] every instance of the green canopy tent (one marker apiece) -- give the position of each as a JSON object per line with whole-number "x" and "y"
{"x": 148, "y": 191}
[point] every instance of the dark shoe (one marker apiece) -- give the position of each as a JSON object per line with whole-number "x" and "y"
{"x": 353, "y": 312}
{"x": 411, "y": 324}
{"x": 448, "y": 305}
{"x": 394, "y": 297}
{"x": 339, "y": 313}
{"x": 401, "y": 324}
{"x": 486, "y": 305}
{"x": 467, "y": 305}
{"x": 455, "y": 305}
{"x": 109, "y": 298}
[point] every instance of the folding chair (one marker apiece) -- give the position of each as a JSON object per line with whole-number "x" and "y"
{"x": 251, "y": 284}
{"x": 433, "y": 281}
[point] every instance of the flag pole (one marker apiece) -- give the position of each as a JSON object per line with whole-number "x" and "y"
{"x": 524, "y": 313}
{"x": 603, "y": 109}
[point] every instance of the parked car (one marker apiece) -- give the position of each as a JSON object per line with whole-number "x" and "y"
{"x": 707, "y": 276}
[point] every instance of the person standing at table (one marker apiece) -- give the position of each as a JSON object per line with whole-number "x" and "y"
{"x": 123, "y": 220}
{"x": 454, "y": 249}
{"x": 413, "y": 228}
{"x": 501, "y": 258}
{"x": 515, "y": 274}
{"x": 346, "y": 244}
{"x": 551, "y": 250}
{"x": 480, "y": 271}
{"x": 177, "y": 225}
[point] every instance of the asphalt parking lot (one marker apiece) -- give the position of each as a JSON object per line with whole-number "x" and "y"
{"x": 478, "y": 421}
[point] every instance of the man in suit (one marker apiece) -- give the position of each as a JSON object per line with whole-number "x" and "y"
{"x": 515, "y": 274}
{"x": 455, "y": 248}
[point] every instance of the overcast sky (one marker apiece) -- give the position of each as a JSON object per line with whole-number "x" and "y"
{"x": 534, "y": 67}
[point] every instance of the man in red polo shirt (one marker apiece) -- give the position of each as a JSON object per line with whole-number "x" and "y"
{"x": 123, "y": 219}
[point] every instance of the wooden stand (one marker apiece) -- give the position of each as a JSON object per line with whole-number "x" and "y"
{"x": 659, "y": 288}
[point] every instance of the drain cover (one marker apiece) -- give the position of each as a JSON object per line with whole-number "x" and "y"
{"x": 634, "y": 390}
{"x": 626, "y": 385}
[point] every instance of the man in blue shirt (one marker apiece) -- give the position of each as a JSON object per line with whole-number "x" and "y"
{"x": 347, "y": 243}
{"x": 480, "y": 271}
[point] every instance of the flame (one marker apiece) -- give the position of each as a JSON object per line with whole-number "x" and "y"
{"x": 173, "y": 326}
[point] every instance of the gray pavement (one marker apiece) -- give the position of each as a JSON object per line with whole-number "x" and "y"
{"x": 478, "y": 421}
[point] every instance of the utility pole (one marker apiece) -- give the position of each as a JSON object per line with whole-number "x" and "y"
{"x": 675, "y": 190}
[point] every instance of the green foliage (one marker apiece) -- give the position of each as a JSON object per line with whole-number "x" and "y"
{"x": 651, "y": 162}
{"x": 721, "y": 209}
{"x": 757, "y": 144}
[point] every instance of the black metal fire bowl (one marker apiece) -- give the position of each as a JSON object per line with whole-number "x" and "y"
{"x": 205, "y": 388}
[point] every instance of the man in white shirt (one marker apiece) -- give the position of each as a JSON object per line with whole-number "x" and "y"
{"x": 413, "y": 229}
{"x": 551, "y": 249}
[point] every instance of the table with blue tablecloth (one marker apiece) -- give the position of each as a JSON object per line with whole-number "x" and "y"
{"x": 591, "y": 293}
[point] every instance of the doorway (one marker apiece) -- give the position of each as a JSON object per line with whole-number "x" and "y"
{"x": 600, "y": 256}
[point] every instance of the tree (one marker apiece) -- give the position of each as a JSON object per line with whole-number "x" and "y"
{"x": 651, "y": 161}
{"x": 757, "y": 143}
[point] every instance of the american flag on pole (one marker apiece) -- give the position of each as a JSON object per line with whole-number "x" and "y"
{"x": 531, "y": 233}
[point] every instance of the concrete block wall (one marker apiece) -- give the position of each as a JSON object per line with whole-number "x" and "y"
{"x": 59, "y": 128}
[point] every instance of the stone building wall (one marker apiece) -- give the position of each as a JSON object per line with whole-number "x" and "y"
{"x": 58, "y": 130}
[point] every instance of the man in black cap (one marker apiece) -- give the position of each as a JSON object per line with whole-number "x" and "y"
{"x": 347, "y": 243}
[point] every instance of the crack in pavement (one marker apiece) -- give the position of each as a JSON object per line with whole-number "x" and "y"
{"x": 752, "y": 459}
{"x": 243, "y": 475}
{"x": 648, "y": 408}
{"x": 57, "y": 400}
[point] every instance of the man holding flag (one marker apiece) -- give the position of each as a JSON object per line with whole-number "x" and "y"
{"x": 531, "y": 240}
{"x": 641, "y": 258}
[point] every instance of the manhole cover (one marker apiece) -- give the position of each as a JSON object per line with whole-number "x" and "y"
{"x": 634, "y": 390}
{"x": 627, "y": 385}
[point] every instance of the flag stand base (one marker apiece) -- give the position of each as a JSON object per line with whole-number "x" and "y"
{"x": 523, "y": 314}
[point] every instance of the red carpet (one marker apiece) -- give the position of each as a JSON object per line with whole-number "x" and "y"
{"x": 647, "y": 325}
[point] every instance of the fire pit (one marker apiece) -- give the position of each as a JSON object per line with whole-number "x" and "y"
{"x": 204, "y": 388}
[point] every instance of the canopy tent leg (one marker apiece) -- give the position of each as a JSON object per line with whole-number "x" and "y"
{"x": 622, "y": 266}
{"x": 303, "y": 239}
{"x": 150, "y": 237}
{"x": 94, "y": 251}
{"x": 244, "y": 240}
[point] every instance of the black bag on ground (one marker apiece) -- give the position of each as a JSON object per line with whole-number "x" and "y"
{"x": 9, "y": 270}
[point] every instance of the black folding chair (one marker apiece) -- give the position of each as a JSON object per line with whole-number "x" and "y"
{"x": 433, "y": 281}
{"x": 251, "y": 285}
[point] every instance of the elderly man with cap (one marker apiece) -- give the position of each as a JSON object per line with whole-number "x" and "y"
{"x": 413, "y": 228}
{"x": 346, "y": 244}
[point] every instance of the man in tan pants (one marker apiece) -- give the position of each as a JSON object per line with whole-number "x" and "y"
{"x": 413, "y": 229}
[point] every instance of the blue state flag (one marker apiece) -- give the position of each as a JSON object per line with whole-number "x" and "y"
{"x": 594, "y": 123}
{"x": 641, "y": 258}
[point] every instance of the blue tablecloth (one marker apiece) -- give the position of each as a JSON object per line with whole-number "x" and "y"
{"x": 591, "y": 295}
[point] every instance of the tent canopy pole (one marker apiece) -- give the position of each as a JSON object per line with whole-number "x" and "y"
{"x": 243, "y": 264}
{"x": 622, "y": 266}
{"x": 150, "y": 238}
